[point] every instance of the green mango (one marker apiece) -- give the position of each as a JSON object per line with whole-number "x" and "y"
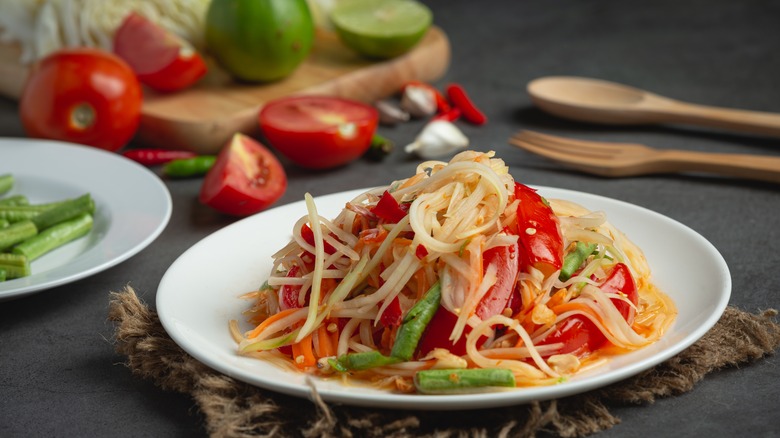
{"x": 259, "y": 40}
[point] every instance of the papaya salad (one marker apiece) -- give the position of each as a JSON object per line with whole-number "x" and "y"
{"x": 457, "y": 279}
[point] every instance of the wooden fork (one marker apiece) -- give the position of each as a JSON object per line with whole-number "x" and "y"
{"x": 627, "y": 159}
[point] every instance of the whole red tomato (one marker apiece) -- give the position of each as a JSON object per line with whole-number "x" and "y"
{"x": 245, "y": 179}
{"x": 83, "y": 95}
{"x": 161, "y": 60}
{"x": 319, "y": 132}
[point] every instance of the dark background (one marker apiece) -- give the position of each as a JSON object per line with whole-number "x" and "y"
{"x": 59, "y": 375}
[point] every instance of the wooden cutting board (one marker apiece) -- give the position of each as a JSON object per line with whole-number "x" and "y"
{"x": 204, "y": 117}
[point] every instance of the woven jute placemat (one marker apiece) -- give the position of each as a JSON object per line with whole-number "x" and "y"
{"x": 231, "y": 408}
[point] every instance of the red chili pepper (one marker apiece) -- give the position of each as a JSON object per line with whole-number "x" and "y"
{"x": 442, "y": 104}
{"x": 308, "y": 235}
{"x": 541, "y": 242}
{"x": 421, "y": 252}
{"x": 389, "y": 209}
{"x": 155, "y": 157}
{"x": 450, "y": 116}
{"x": 461, "y": 100}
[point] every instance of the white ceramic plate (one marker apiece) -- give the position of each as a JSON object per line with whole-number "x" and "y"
{"x": 132, "y": 207}
{"x": 199, "y": 295}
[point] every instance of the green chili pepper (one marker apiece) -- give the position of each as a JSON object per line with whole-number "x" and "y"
{"x": 414, "y": 323}
{"x": 380, "y": 148}
{"x": 462, "y": 380}
{"x": 189, "y": 167}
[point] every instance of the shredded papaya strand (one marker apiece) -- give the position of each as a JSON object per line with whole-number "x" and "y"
{"x": 303, "y": 353}
{"x": 422, "y": 282}
{"x": 567, "y": 307}
{"x": 268, "y": 321}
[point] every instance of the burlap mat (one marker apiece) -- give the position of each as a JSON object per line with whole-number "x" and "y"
{"x": 232, "y": 408}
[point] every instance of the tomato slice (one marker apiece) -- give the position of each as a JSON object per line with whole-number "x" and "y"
{"x": 160, "y": 59}
{"x": 539, "y": 232}
{"x": 318, "y": 132}
{"x": 437, "y": 334}
{"x": 578, "y": 334}
{"x": 83, "y": 95}
{"x": 497, "y": 298}
{"x": 245, "y": 179}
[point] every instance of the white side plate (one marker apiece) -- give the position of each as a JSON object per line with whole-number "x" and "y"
{"x": 132, "y": 207}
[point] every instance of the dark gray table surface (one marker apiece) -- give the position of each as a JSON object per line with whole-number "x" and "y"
{"x": 59, "y": 375}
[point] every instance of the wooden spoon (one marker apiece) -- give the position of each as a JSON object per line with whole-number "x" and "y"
{"x": 593, "y": 100}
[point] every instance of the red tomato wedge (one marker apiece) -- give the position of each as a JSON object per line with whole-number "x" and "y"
{"x": 540, "y": 238}
{"x": 318, "y": 132}
{"x": 578, "y": 334}
{"x": 160, "y": 59}
{"x": 245, "y": 179}
{"x": 496, "y": 299}
{"x": 85, "y": 96}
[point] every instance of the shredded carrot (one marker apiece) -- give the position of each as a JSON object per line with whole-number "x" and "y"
{"x": 326, "y": 348}
{"x": 259, "y": 329}
{"x": 303, "y": 354}
{"x": 327, "y": 285}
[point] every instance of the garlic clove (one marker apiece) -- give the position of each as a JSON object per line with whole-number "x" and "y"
{"x": 418, "y": 101}
{"x": 438, "y": 138}
{"x": 390, "y": 114}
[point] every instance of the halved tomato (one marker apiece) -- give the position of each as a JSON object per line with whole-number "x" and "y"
{"x": 245, "y": 179}
{"x": 159, "y": 58}
{"x": 319, "y": 132}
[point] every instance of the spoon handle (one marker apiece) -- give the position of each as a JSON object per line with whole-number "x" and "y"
{"x": 754, "y": 122}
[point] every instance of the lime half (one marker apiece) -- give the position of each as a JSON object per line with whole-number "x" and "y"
{"x": 381, "y": 28}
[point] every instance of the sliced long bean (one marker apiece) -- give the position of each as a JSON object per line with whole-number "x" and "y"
{"x": 4, "y": 223}
{"x": 3, "y": 274}
{"x": 414, "y": 323}
{"x": 574, "y": 259}
{"x": 6, "y": 183}
{"x": 449, "y": 381}
{"x": 54, "y": 237}
{"x": 65, "y": 211}
{"x": 14, "y": 265}
{"x": 17, "y": 232}
{"x": 15, "y": 200}
{"x": 364, "y": 360}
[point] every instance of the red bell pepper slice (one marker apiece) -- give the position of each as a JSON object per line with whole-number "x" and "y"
{"x": 389, "y": 209}
{"x": 541, "y": 242}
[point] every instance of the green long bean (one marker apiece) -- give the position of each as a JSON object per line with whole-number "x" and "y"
{"x": 414, "y": 323}
{"x": 449, "y": 381}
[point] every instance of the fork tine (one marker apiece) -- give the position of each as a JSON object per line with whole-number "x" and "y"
{"x": 563, "y": 146}
{"x": 562, "y": 157}
{"x": 573, "y": 144}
